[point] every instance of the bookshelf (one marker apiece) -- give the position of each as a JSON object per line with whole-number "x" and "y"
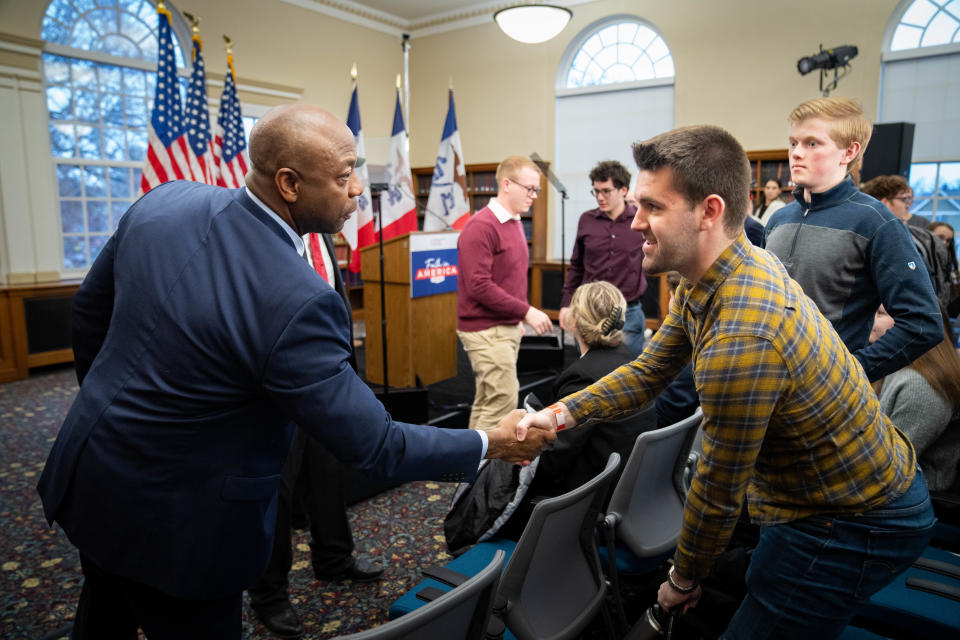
{"x": 771, "y": 163}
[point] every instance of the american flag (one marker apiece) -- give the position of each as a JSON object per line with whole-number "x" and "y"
{"x": 169, "y": 156}
{"x": 229, "y": 145}
{"x": 198, "y": 118}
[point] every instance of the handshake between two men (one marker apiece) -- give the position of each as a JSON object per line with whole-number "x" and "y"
{"x": 522, "y": 436}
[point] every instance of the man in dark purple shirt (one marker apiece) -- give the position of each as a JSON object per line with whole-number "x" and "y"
{"x": 607, "y": 249}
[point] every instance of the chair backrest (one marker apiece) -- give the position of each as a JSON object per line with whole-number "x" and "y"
{"x": 461, "y": 613}
{"x": 553, "y": 585}
{"x": 645, "y": 503}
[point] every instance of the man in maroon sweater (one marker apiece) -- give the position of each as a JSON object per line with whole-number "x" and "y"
{"x": 492, "y": 291}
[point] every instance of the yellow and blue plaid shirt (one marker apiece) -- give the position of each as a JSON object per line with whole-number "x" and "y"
{"x": 789, "y": 416}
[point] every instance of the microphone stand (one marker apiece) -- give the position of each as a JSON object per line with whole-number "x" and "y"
{"x": 380, "y": 188}
{"x": 562, "y": 190}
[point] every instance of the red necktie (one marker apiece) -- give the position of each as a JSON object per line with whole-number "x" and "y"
{"x": 317, "y": 253}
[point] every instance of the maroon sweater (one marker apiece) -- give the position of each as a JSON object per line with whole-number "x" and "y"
{"x": 492, "y": 273}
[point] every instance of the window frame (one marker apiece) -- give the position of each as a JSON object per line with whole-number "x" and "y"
{"x": 576, "y": 44}
{"x": 182, "y": 34}
{"x": 888, "y": 54}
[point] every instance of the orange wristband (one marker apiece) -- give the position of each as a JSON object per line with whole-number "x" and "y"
{"x": 558, "y": 414}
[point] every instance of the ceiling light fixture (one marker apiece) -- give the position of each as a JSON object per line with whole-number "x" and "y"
{"x": 533, "y": 23}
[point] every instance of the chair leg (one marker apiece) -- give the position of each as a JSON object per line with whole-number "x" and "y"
{"x": 613, "y": 578}
{"x": 612, "y": 632}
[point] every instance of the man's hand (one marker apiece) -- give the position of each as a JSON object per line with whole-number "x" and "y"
{"x": 565, "y": 319}
{"x": 538, "y": 321}
{"x": 502, "y": 440}
{"x": 543, "y": 420}
{"x": 670, "y": 599}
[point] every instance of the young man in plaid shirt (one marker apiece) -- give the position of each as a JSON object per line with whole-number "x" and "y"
{"x": 790, "y": 420}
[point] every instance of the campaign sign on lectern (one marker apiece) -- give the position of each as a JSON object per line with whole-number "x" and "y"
{"x": 418, "y": 310}
{"x": 433, "y": 263}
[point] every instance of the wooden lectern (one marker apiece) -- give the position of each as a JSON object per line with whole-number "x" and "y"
{"x": 421, "y": 332}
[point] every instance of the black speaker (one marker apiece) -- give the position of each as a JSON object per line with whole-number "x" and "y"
{"x": 540, "y": 353}
{"x": 405, "y": 404}
{"x": 551, "y": 291}
{"x": 889, "y": 151}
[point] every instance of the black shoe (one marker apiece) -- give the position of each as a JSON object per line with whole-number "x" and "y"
{"x": 357, "y": 572}
{"x": 281, "y": 620}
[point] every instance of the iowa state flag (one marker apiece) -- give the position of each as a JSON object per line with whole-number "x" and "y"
{"x": 358, "y": 230}
{"x": 448, "y": 205}
{"x": 398, "y": 205}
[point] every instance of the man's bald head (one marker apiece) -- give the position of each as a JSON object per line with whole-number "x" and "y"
{"x": 302, "y": 160}
{"x": 292, "y": 135}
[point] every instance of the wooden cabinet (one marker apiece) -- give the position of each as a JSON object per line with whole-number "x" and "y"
{"x": 764, "y": 165}
{"x": 34, "y": 327}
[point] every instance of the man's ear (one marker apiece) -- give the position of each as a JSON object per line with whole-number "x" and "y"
{"x": 851, "y": 152}
{"x": 713, "y": 208}
{"x": 288, "y": 184}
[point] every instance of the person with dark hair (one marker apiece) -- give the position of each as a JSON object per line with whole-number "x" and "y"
{"x": 922, "y": 399}
{"x": 895, "y": 194}
{"x": 945, "y": 233}
{"x": 846, "y": 250}
{"x": 789, "y": 419}
{"x": 771, "y": 200}
{"x": 605, "y": 249}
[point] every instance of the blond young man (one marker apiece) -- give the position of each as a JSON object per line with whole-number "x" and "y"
{"x": 847, "y": 251}
{"x": 492, "y": 291}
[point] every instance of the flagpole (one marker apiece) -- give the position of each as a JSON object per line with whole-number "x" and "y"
{"x": 406, "y": 77}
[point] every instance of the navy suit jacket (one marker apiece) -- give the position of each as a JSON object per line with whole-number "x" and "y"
{"x": 200, "y": 336}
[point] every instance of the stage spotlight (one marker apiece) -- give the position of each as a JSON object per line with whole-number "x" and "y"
{"x": 827, "y": 59}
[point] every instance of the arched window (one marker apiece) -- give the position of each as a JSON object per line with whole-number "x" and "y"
{"x": 921, "y": 54}
{"x": 927, "y": 23}
{"x": 623, "y": 49}
{"x": 99, "y": 67}
{"x": 614, "y": 84}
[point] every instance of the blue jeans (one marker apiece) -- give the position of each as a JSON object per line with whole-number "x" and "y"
{"x": 633, "y": 327}
{"x": 807, "y": 578}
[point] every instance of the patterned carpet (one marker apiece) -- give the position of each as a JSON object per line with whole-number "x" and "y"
{"x": 40, "y": 575}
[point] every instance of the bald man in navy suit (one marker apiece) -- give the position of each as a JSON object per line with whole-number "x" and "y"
{"x": 200, "y": 336}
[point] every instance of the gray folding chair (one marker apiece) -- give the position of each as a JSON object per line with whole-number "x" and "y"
{"x": 645, "y": 513}
{"x": 460, "y": 613}
{"x": 553, "y": 585}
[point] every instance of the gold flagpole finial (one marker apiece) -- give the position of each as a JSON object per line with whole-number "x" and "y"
{"x": 194, "y": 22}
{"x": 353, "y": 71}
{"x": 194, "y": 27}
{"x": 398, "y": 81}
{"x": 161, "y": 6}
{"x": 228, "y": 43}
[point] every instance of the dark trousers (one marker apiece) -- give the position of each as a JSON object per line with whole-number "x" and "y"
{"x": 312, "y": 477}
{"x": 113, "y": 608}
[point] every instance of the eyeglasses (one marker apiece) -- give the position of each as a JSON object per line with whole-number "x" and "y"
{"x": 907, "y": 200}
{"x": 604, "y": 192}
{"x": 531, "y": 191}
